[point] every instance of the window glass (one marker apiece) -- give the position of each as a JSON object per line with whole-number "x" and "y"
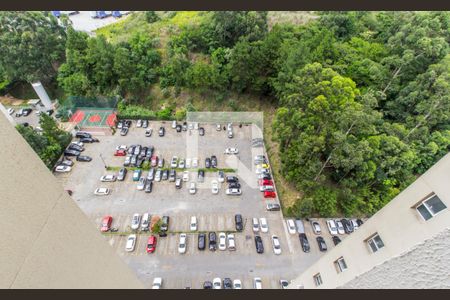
{"x": 435, "y": 205}
{"x": 378, "y": 241}
{"x": 372, "y": 245}
{"x": 424, "y": 212}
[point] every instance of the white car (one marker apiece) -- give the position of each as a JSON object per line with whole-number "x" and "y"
{"x": 340, "y": 227}
{"x": 102, "y": 191}
{"x": 255, "y": 224}
{"x": 188, "y": 163}
{"x": 237, "y": 284}
{"x": 174, "y": 124}
{"x": 332, "y": 227}
{"x": 81, "y": 144}
{"x": 264, "y": 188}
{"x": 10, "y": 111}
{"x": 181, "y": 164}
{"x": 186, "y": 176}
{"x": 316, "y": 227}
{"x": 222, "y": 241}
{"x": 195, "y": 162}
{"x": 145, "y": 222}
{"x": 230, "y": 126}
{"x": 131, "y": 242}
{"x": 122, "y": 147}
{"x": 231, "y": 151}
{"x": 257, "y": 283}
{"x": 182, "y": 245}
{"x": 141, "y": 184}
{"x": 276, "y": 245}
{"x": 135, "y": 221}
{"x": 174, "y": 162}
{"x": 355, "y": 224}
{"x": 263, "y": 224}
{"x": 108, "y": 178}
{"x": 192, "y": 188}
{"x": 148, "y": 132}
{"x": 190, "y": 126}
{"x": 217, "y": 283}
{"x": 63, "y": 169}
{"x": 234, "y": 192}
{"x": 214, "y": 187}
{"x": 193, "y": 224}
{"x": 291, "y": 226}
{"x": 196, "y": 126}
{"x": 231, "y": 242}
{"x": 157, "y": 283}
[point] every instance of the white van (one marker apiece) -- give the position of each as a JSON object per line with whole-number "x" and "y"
{"x": 145, "y": 222}
{"x": 193, "y": 224}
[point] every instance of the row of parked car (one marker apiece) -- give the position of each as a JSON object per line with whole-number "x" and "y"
{"x": 74, "y": 149}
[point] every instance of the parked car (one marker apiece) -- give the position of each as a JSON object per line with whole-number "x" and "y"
{"x": 315, "y": 227}
{"x": 359, "y": 222}
{"x": 10, "y": 111}
{"x": 154, "y": 161}
{"x": 348, "y": 227}
{"x": 108, "y": 178}
{"x": 181, "y": 163}
{"x": 232, "y": 179}
{"x": 62, "y": 169}
{"x": 83, "y": 134}
{"x": 207, "y": 285}
{"x": 222, "y": 241}
{"x": 106, "y": 223}
{"x": 276, "y": 246}
{"x": 188, "y": 163}
{"x": 234, "y": 185}
{"x": 148, "y": 186}
{"x": 89, "y": 140}
{"x": 221, "y": 176}
{"x": 208, "y": 162}
{"x": 192, "y": 188}
{"x": 291, "y": 226}
{"x": 265, "y": 188}
{"x": 120, "y": 153}
{"x": 231, "y": 242}
{"x": 178, "y": 128}
{"x": 273, "y": 207}
{"x": 231, "y": 151}
{"x": 230, "y": 134}
{"x": 239, "y": 224}
{"x": 193, "y": 223}
{"x": 151, "y": 174}
{"x": 151, "y": 244}
{"x": 201, "y": 176}
{"x": 161, "y": 131}
{"x": 255, "y": 224}
{"x": 174, "y": 162}
{"x": 201, "y": 131}
{"x": 172, "y": 175}
{"x": 300, "y": 226}
{"x": 201, "y": 241}
{"x": 182, "y": 244}
{"x": 135, "y": 221}
{"x": 237, "y": 284}
{"x": 355, "y": 224}
{"x": 84, "y": 158}
{"x": 336, "y": 240}
{"x": 270, "y": 194}
{"x": 161, "y": 163}
{"x": 131, "y": 242}
{"x": 144, "y": 123}
{"x": 195, "y": 162}
{"x": 145, "y": 222}
{"x": 233, "y": 192}
{"x": 217, "y": 283}
{"x": 259, "y": 244}
{"x": 158, "y": 175}
{"x": 263, "y": 225}
{"x": 71, "y": 152}
{"x": 332, "y": 227}
{"x": 66, "y": 162}
{"x": 304, "y": 242}
{"x": 321, "y": 243}
{"x": 214, "y": 187}
{"x": 124, "y": 131}
{"x": 148, "y": 132}
{"x": 227, "y": 284}
{"x": 164, "y": 225}
{"x": 218, "y": 127}
{"x": 102, "y": 191}
{"x": 157, "y": 283}
{"x": 212, "y": 241}
{"x": 178, "y": 182}
{"x": 213, "y": 161}
{"x": 339, "y": 226}
{"x": 137, "y": 175}
{"x": 139, "y": 123}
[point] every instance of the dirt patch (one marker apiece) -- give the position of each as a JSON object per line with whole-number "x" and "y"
{"x": 11, "y": 101}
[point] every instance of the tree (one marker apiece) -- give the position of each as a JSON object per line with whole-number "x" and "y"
{"x": 32, "y": 45}
{"x": 151, "y": 16}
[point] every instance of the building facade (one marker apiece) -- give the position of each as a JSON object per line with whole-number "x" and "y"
{"x": 404, "y": 245}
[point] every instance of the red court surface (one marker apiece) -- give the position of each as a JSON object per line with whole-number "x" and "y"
{"x": 77, "y": 117}
{"x": 93, "y": 118}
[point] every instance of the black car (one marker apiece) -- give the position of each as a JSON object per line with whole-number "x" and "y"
{"x": 75, "y": 147}
{"x": 148, "y": 186}
{"x": 161, "y": 131}
{"x": 82, "y": 134}
{"x": 201, "y": 175}
{"x": 127, "y": 123}
{"x": 232, "y": 179}
{"x": 259, "y": 244}
{"x": 336, "y": 240}
{"x": 145, "y": 124}
{"x": 201, "y": 131}
{"x": 321, "y": 243}
{"x": 131, "y": 149}
{"x": 234, "y": 185}
{"x": 207, "y": 285}
{"x": 164, "y": 226}
{"x": 89, "y": 140}
{"x": 208, "y": 162}
{"x": 267, "y": 176}
{"x": 165, "y": 175}
{"x": 304, "y": 242}
{"x": 143, "y": 152}
{"x": 26, "y": 111}
{"x": 139, "y": 162}
{"x": 84, "y": 158}
{"x": 68, "y": 152}
{"x": 178, "y": 127}
{"x": 227, "y": 284}
{"x": 122, "y": 174}
{"x": 149, "y": 152}
{"x": 348, "y": 226}
{"x": 238, "y": 221}
{"x": 201, "y": 241}
{"x": 212, "y": 241}
{"x": 214, "y": 161}
{"x": 124, "y": 131}
{"x": 172, "y": 175}
{"x": 359, "y": 222}
{"x": 66, "y": 162}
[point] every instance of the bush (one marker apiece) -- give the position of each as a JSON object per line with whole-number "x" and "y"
{"x": 233, "y": 105}
{"x": 164, "y": 114}
{"x": 135, "y": 112}
{"x": 325, "y": 201}
{"x": 180, "y": 114}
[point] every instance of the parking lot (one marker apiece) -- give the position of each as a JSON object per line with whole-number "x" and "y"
{"x": 213, "y": 212}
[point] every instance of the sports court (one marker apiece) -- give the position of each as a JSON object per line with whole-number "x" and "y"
{"x": 88, "y": 117}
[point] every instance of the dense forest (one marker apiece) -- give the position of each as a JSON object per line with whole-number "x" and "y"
{"x": 362, "y": 98}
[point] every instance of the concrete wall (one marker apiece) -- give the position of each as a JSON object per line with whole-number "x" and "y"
{"x": 47, "y": 241}
{"x": 400, "y": 227}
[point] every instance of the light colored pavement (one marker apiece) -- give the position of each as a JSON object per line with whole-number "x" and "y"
{"x": 214, "y": 213}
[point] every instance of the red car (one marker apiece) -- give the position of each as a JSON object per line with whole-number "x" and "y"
{"x": 106, "y": 223}
{"x": 151, "y": 244}
{"x": 154, "y": 160}
{"x": 120, "y": 153}
{"x": 270, "y": 194}
{"x": 265, "y": 182}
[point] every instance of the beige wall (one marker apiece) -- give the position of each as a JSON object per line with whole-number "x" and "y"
{"x": 400, "y": 227}
{"x": 46, "y": 240}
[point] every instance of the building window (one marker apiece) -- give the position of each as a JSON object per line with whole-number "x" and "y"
{"x": 318, "y": 279}
{"x": 375, "y": 243}
{"x": 430, "y": 207}
{"x": 340, "y": 265}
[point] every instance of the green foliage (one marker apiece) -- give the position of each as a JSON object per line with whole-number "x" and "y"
{"x": 151, "y": 16}
{"x": 325, "y": 202}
